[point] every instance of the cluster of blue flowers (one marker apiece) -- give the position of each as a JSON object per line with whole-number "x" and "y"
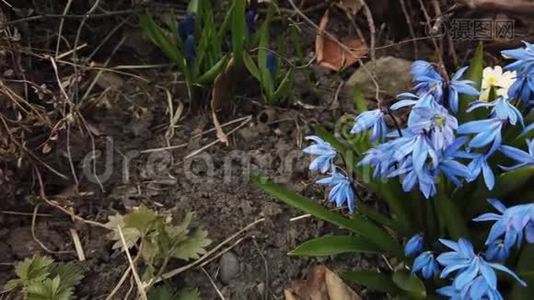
{"x": 523, "y": 87}
{"x": 474, "y": 274}
{"x": 342, "y": 192}
{"x": 434, "y": 145}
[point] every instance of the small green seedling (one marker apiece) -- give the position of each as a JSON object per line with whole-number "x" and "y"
{"x": 40, "y": 278}
{"x": 157, "y": 239}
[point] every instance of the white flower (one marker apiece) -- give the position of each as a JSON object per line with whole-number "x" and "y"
{"x": 495, "y": 77}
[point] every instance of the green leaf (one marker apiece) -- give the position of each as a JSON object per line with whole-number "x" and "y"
{"x": 213, "y": 72}
{"x": 161, "y": 292}
{"x": 251, "y": 66}
{"x": 284, "y": 87}
{"x": 453, "y": 218}
{"x": 525, "y": 270}
{"x": 360, "y": 226}
{"x": 332, "y": 245}
{"x": 49, "y": 289}
{"x": 131, "y": 235}
{"x": 188, "y": 294}
{"x": 193, "y": 246}
{"x": 164, "y": 292}
{"x": 70, "y": 274}
{"x": 359, "y": 99}
{"x": 194, "y": 6}
{"x": 371, "y": 280}
{"x": 158, "y": 37}
{"x": 473, "y": 73}
{"x": 239, "y": 29}
{"x": 379, "y": 218}
{"x": 505, "y": 184}
{"x": 140, "y": 219}
{"x": 410, "y": 284}
{"x": 33, "y": 268}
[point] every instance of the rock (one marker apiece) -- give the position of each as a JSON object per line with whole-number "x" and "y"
{"x": 391, "y": 73}
{"x": 229, "y": 265}
{"x": 248, "y": 133}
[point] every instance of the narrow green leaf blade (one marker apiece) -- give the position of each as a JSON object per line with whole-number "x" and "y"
{"x": 284, "y": 86}
{"x": 525, "y": 270}
{"x": 360, "y": 226}
{"x": 214, "y": 71}
{"x": 239, "y": 29}
{"x": 454, "y": 219}
{"x": 473, "y": 73}
{"x": 359, "y": 99}
{"x": 251, "y": 66}
{"x": 335, "y": 244}
{"x": 374, "y": 281}
{"x": 410, "y": 284}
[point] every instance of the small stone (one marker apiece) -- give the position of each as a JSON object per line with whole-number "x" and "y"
{"x": 248, "y": 133}
{"x": 392, "y": 75}
{"x": 229, "y": 265}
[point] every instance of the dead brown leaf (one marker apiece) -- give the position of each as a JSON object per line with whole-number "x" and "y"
{"x": 320, "y": 284}
{"x": 331, "y": 54}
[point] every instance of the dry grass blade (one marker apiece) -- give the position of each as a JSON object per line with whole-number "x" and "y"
{"x": 139, "y": 283}
{"x": 77, "y": 244}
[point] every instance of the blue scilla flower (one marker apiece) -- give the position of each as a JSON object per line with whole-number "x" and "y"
{"x": 190, "y": 51}
{"x": 422, "y": 68}
{"x": 410, "y": 157}
{"x": 380, "y": 158}
{"x": 342, "y": 191}
{"x": 186, "y": 26}
{"x": 457, "y": 87}
{"x": 435, "y": 122}
{"x": 409, "y": 99}
{"x": 523, "y": 86}
{"x": 523, "y": 158}
{"x": 501, "y": 109}
{"x": 427, "y": 79}
{"x": 511, "y": 225}
{"x": 414, "y": 245}
{"x": 469, "y": 267}
{"x": 325, "y": 155}
{"x": 524, "y": 57}
{"x": 426, "y": 264}
{"x": 271, "y": 63}
{"x": 479, "y": 165}
{"x": 448, "y": 164}
{"x": 424, "y": 178}
{"x": 497, "y": 251}
{"x": 416, "y": 147}
{"x": 477, "y": 289}
{"x": 487, "y": 131}
{"x": 371, "y": 120}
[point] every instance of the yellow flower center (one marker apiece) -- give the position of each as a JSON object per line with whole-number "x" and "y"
{"x": 492, "y": 80}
